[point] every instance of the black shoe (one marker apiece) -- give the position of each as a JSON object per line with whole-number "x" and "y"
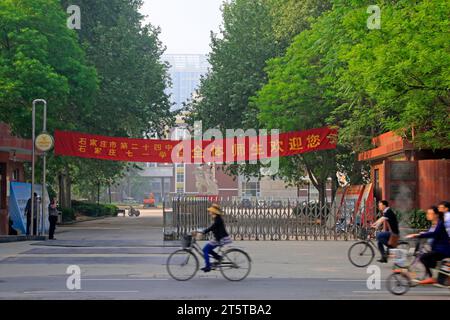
{"x": 382, "y": 260}
{"x": 218, "y": 259}
{"x": 206, "y": 269}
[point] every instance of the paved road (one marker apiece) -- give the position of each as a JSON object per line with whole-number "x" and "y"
{"x": 123, "y": 258}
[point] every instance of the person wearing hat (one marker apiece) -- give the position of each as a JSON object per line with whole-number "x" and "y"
{"x": 221, "y": 236}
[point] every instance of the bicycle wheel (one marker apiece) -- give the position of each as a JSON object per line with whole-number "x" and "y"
{"x": 361, "y": 254}
{"x": 182, "y": 265}
{"x": 417, "y": 270}
{"x": 398, "y": 284}
{"x": 235, "y": 265}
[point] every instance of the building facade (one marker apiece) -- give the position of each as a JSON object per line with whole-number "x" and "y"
{"x": 13, "y": 153}
{"x": 185, "y": 72}
{"x": 407, "y": 177}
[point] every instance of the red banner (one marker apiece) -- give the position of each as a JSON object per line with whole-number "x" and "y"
{"x": 228, "y": 150}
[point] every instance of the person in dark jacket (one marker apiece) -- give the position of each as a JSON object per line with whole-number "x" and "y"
{"x": 390, "y": 229}
{"x": 221, "y": 236}
{"x": 440, "y": 247}
{"x": 52, "y": 218}
{"x": 28, "y": 214}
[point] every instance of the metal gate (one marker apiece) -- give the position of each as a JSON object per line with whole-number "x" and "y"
{"x": 261, "y": 219}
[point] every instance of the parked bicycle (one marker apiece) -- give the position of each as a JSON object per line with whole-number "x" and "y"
{"x": 133, "y": 212}
{"x": 183, "y": 264}
{"x": 362, "y": 253}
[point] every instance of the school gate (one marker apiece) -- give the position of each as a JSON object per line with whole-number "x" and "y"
{"x": 284, "y": 219}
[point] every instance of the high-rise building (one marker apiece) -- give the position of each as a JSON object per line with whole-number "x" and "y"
{"x": 185, "y": 72}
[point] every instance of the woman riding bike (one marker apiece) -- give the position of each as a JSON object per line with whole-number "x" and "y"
{"x": 440, "y": 246}
{"x": 221, "y": 236}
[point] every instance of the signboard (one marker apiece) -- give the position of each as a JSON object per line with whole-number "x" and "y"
{"x": 44, "y": 142}
{"x": 402, "y": 170}
{"x": 19, "y": 194}
{"x": 84, "y": 145}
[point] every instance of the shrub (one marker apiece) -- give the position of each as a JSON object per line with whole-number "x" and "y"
{"x": 94, "y": 210}
{"x": 415, "y": 219}
{"x": 68, "y": 214}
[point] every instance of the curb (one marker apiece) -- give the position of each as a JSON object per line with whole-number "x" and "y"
{"x": 6, "y": 239}
{"x": 90, "y": 219}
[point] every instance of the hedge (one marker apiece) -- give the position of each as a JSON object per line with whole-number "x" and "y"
{"x": 93, "y": 209}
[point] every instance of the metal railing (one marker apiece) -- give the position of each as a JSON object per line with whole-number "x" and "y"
{"x": 261, "y": 219}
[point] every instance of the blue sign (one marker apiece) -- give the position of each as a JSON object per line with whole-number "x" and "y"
{"x": 19, "y": 194}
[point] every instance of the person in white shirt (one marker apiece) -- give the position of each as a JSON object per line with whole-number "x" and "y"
{"x": 444, "y": 207}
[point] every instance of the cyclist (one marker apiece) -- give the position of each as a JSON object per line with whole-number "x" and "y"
{"x": 444, "y": 207}
{"x": 221, "y": 236}
{"x": 440, "y": 247}
{"x": 390, "y": 232}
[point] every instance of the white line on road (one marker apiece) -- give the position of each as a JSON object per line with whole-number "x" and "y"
{"x": 79, "y": 291}
{"x": 124, "y": 279}
{"x": 384, "y": 292}
{"x": 348, "y": 280}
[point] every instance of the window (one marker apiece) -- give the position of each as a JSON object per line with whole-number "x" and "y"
{"x": 179, "y": 178}
{"x": 250, "y": 189}
{"x": 15, "y": 175}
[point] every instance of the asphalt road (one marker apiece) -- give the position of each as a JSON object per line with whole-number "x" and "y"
{"x": 124, "y": 258}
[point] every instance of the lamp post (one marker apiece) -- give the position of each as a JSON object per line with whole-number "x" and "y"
{"x": 44, "y": 142}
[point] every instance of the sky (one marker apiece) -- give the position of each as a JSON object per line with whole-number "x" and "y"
{"x": 185, "y": 24}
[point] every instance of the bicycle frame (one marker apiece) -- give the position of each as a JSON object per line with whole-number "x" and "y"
{"x": 196, "y": 248}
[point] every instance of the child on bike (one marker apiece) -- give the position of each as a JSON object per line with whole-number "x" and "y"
{"x": 221, "y": 236}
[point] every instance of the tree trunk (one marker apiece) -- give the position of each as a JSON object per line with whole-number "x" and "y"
{"x": 322, "y": 192}
{"x": 64, "y": 188}
{"x": 98, "y": 193}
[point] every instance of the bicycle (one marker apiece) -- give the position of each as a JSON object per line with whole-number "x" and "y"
{"x": 402, "y": 279}
{"x": 362, "y": 253}
{"x": 183, "y": 264}
{"x": 133, "y": 212}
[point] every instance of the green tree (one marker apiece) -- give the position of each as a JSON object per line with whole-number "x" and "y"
{"x": 41, "y": 58}
{"x": 397, "y": 78}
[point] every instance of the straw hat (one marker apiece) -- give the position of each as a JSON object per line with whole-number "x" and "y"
{"x": 215, "y": 208}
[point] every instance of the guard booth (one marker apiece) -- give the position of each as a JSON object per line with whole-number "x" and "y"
{"x": 14, "y": 152}
{"x": 405, "y": 176}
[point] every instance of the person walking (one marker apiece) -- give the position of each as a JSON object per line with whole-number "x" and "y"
{"x": 52, "y": 218}
{"x": 28, "y": 214}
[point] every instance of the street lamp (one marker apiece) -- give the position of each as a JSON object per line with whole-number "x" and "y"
{"x": 45, "y": 143}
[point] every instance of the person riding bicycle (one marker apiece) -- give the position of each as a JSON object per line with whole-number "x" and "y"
{"x": 221, "y": 236}
{"x": 440, "y": 247}
{"x": 391, "y": 233}
{"x": 444, "y": 207}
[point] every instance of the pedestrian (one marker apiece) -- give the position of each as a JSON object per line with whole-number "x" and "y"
{"x": 391, "y": 233}
{"x": 12, "y": 231}
{"x": 28, "y": 213}
{"x": 52, "y": 218}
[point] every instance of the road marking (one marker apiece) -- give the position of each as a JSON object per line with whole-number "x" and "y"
{"x": 417, "y": 292}
{"x": 124, "y": 279}
{"x": 79, "y": 291}
{"x": 348, "y": 280}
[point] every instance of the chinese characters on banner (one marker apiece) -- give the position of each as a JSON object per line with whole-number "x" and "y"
{"x": 193, "y": 151}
